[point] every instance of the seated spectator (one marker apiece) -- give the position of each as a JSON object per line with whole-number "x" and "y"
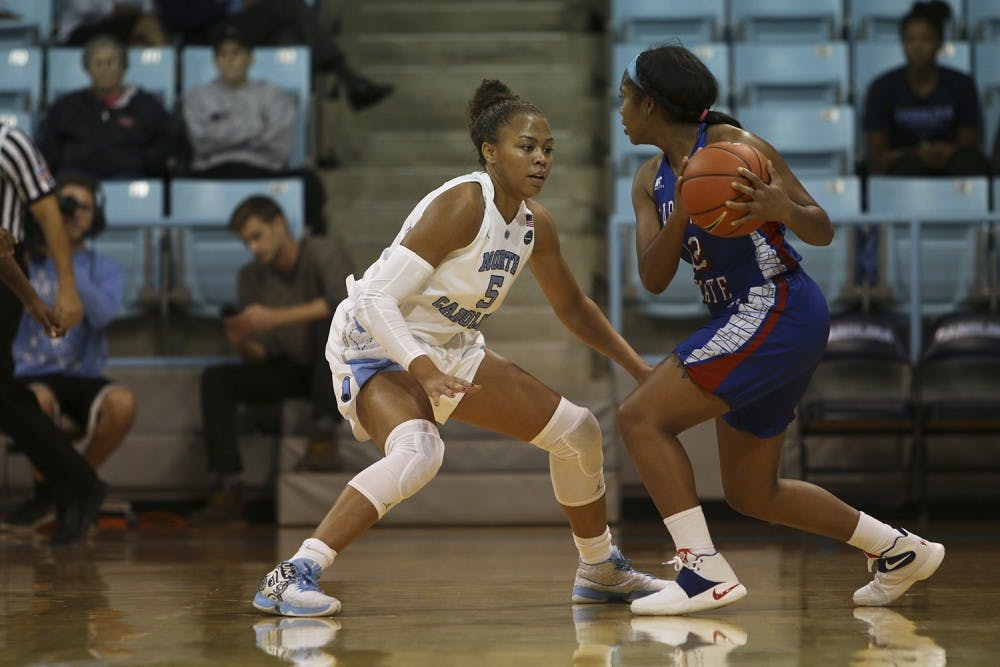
{"x": 239, "y": 128}
{"x": 132, "y": 22}
{"x": 923, "y": 119}
{"x": 287, "y": 296}
{"x": 66, "y": 374}
{"x": 109, "y": 130}
{"x": 272, "y": 23}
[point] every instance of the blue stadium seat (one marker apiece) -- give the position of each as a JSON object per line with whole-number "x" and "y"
{"x": 986, "y": 68}
{"x": 284, "y": 66}
{"x": 20, "y": 119}
{"x": 816, "y": 142}
{"x": 152, "y": 69}
{"x": 784, "y": 74}
{"x": 983, "y": 20}
{"x": 134, "y": 211}
{"x": 786, "y": 20}
{"x": 876, "y": 20}
{"x": 211, "y": 256}
{"x": 948, "y": 249}
{"x": 21, "y": 78}
{"x": 32, "y": 25}
{"x": 650, "y": 22}
{"x": 874, "y": 58}
{"x": 828, "y": 265}
{"x": 715, "y": 56}
{"x": 682, "y": 299}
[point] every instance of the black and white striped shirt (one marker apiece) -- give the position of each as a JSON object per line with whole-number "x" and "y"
{"x": 24, "y": 178}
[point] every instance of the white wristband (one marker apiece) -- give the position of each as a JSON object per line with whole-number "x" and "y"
{"x": 401, "y": 274}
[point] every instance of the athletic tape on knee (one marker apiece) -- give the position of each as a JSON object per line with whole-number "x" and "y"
{"x": 576, "y": 460}
{"x": 413, "y": 454}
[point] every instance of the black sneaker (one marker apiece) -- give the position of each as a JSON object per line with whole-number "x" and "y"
{"x": 362, "y": 93}
{"x": 32, "y": 513}
{"x": 80, "y": 515}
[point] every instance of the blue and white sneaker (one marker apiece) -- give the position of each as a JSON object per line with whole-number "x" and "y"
{"x": 704, "y": 581}
{"x": 614, "y": 579}
{"x": 910, "y": 559}
{"x": 291, "y": 589}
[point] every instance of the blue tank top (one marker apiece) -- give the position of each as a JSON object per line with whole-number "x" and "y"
{"x": 725, "y": 268}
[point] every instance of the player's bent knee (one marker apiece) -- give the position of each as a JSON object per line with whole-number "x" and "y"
{"x": 414, "y": 452}
{"x": 576, "y": 457}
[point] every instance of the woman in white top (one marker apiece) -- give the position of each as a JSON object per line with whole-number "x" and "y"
{"x": 405, "y": 350}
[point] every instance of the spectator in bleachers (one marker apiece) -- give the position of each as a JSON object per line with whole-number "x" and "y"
{"x": 272, "y": 23}
{"x": 110, "y": 130}
{"x": 924, "y": 119}
{"x": 240, "y": 128}
{"x": 132, "y": 22}
{"x": 286, "y": 297}
{"x": 65, "y": 374}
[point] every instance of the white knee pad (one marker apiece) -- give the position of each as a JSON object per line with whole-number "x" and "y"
{"x": 413, "y": 454}
{"x": 576, "y": 460}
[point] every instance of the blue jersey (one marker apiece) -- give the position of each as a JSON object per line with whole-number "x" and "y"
{"x": 725, "y": 268}
{"x": 769, "y": 321}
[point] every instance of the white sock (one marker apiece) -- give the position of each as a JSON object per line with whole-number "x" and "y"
{"x": 316, "y": 551}
{"x": 594, "y": 550}
{"x": 872, "y": 536}
{"x": 689, "y": 530}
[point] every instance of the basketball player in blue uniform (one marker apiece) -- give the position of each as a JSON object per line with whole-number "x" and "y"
{"x": 405, "y": 351}
{"x": 749, "y": 366}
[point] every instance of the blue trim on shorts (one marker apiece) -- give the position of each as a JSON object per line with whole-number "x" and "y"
{"x": 364, "y": 369}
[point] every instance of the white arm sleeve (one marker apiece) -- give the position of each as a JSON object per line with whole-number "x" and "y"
{"x": 402, "y": 274}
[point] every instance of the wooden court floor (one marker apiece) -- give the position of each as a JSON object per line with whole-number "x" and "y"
{"x": 481, "y": 597}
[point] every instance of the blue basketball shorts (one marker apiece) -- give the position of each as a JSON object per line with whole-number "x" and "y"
{"x": 759, "y": 355}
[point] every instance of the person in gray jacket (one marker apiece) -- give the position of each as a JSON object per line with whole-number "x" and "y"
{"x": 243, "y": 128}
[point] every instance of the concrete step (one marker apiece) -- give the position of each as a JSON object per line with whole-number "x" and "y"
{"x": 522, "y": 498}
{"x": 546, "y": 85}
{"x": 440, "y": 147}
{"x": 572, "y": 193}
{"x": 436, "y": 16}
{"x": 585, "y": 50}
{"x": 434, "y": 98}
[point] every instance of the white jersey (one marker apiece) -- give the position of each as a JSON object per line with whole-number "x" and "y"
{"x": 470, "y": 284}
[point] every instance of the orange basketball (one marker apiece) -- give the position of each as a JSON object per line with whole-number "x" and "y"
{"x": 707, "y": 186}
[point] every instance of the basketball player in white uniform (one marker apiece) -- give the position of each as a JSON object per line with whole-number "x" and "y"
{"x": 405, "y": 351}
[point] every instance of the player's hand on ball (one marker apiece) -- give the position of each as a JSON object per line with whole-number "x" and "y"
{"x": 768, "y": 201}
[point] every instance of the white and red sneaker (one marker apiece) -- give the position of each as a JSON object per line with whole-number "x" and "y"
{"x": 910, "y": 559}
{"x": 704, "y": 581}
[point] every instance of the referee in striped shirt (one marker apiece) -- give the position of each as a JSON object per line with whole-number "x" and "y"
{"x": 25, "y": 181}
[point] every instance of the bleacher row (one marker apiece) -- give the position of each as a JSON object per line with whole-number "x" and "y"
{"x": 170, "y": 237}
{"x": 172, "y": 241}
{"x": 795, "y": 73}
{"x": 33, "y": 76}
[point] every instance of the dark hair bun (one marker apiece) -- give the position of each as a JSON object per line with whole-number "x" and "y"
{"x": 489, "y": 93}
{"x": 935, "y": 10}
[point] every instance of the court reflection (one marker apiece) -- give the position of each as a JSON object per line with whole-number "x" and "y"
{"x": 298, "y": 641}
{"x": 609, "y": 636}
{"x": 893, "y": 640}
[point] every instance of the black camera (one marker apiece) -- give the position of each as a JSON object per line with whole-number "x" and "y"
{"x": 67, "y": 205}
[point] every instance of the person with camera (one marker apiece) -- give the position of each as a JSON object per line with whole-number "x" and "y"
{"x": 66, "y": 374}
